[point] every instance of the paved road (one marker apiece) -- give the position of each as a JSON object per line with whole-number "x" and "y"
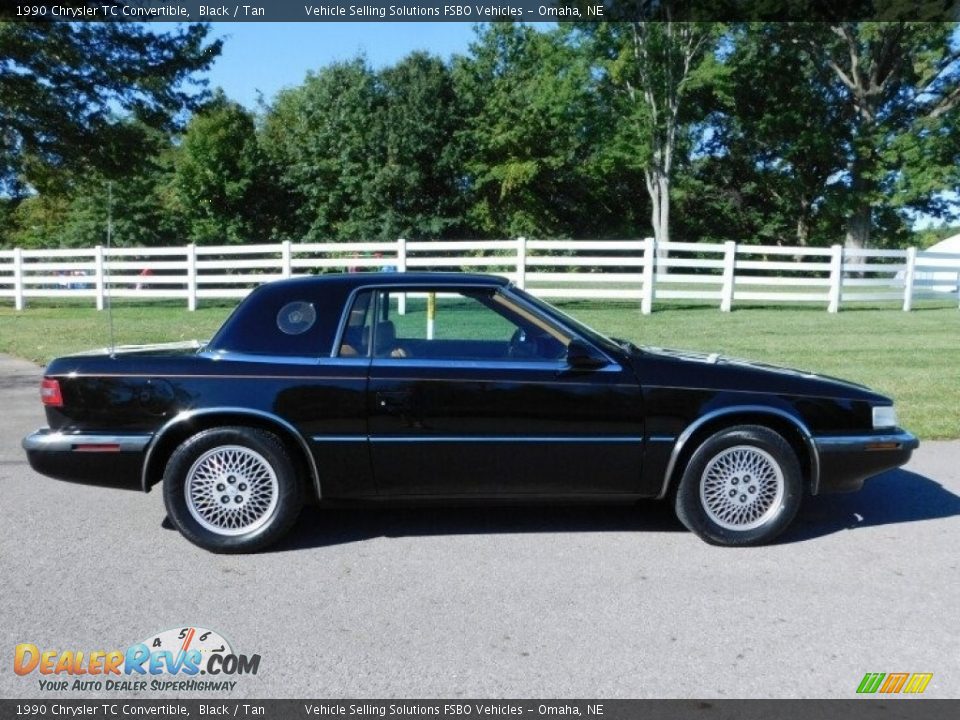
{"x": 496, "y": 603}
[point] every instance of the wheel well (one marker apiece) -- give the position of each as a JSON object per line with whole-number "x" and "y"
{"x": 171, "y": 439}
{"x": 780, "y": 425}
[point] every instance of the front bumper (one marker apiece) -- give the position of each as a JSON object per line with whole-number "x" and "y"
{"x": 113, "y": 460}
{"x": 847, "y": 460}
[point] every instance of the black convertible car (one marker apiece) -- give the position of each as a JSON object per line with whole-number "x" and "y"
{"x": 388, "y": 387}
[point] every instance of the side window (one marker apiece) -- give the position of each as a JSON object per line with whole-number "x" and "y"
{"x": 469, "y": 325}
{"x": 355, "y": 341}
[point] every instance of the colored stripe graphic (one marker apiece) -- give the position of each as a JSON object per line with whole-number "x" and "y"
{"x": 870, "y": 682}
{"x": 918, "y": 683}
{"x": 894, "y": 682}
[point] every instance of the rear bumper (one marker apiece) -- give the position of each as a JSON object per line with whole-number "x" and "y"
{"x": 113, "y": 460}
{"x": 847, "y": 460}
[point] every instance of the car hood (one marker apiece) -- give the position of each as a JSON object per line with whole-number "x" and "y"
{"x": 717, "y": 371}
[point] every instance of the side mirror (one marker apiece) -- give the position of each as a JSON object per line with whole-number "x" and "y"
{"x": 583, "y": 357}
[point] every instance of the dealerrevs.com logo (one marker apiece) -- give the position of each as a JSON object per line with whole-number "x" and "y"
{"x": 173, "y": 660}
{"x": 894, "y": 683}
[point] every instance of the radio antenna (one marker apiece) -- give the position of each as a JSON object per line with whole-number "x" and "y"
{"x": 106, "y": 264}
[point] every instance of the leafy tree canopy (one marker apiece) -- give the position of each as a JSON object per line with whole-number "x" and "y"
{"x": 531, "y": 132}
{"x": 774, "y": 133}
{"x": 68, "y": 90}
{"x": 219, "y": 178}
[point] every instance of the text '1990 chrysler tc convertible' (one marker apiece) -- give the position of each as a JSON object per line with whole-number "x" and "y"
{"x": 374, "y": 387}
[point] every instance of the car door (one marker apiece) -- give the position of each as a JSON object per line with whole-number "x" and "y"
{"x": 471, "y": 394}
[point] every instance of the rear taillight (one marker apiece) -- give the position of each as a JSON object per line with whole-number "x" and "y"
{"x": 50, "y": 393}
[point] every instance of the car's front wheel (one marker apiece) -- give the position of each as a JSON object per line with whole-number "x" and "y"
{"x": 742, "y": 486}
{"x": 232, "y": 489}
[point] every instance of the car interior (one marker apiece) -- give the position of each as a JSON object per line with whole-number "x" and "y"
{"x": 448, "y": 330}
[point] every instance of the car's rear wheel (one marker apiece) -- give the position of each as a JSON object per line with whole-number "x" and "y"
{"x": 232, "y": 489}
{"x": 742, "y": 486}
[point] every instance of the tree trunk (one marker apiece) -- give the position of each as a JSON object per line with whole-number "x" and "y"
{"x": 665, "y": 55}
{"x": 859, "y": 224}
{"x": 860, "y": 219}
{"x": 664, "y": 233}
{"x": 803, "y": 223}
{"x": 653, "y": 191}
{"x": 658, "y": 188}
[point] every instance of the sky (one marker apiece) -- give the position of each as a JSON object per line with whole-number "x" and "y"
{"x": 263, "y": 58}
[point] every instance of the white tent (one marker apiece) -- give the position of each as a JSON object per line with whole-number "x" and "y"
{"x": 938, "y": 267}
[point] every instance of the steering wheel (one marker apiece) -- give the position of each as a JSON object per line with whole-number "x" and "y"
{"x": 525, "y": 344}
{"x": 521, "y": 345}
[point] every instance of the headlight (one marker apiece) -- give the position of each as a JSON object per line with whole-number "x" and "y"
{"x": 884, "y": 417}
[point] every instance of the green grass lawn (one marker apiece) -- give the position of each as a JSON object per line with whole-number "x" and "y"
{"x": 914, "y": 357}
{"x": 44, "y": 331}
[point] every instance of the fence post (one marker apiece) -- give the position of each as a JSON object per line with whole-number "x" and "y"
{"x": 729, "y": 264}
{"x": 191, "y": 277}
{"x": 99, "y": 276}
{"x": 649, "y": 262}
{"x": 836, "y": 277}
{"x": 18, "y": 278}
{"x": 402, "y": 267}
{"x": 286, "y": 259}
{"x": 521, "y": 263}
{"x": 908, "y": 276}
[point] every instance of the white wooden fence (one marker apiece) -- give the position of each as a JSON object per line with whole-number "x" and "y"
{"x": 640, "y": 270}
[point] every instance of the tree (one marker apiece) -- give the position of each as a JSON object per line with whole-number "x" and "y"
{"x": 822, "y": 131}
{"x": 67, "y": 90}
{"x": 417, "y": 182}
{"x": 365, "y": 154}
{"x": 530, "y": 132}
{"x": 143, "y": 209}
{"x": 219, "y": 177}
{"x": 322, "y": 141}
{"x": 900, "y": 84}
{"x": 654, "y": 67}
{"x": 37, "y": 222}
{"x": 778, "y": 135}
{"x": 7, "y": 209}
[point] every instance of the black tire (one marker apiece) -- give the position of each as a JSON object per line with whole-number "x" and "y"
{"x": 248, "y": 458}
{"x": 730, "y": 506}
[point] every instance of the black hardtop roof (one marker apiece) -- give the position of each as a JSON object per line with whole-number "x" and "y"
{"x": 258, "y": 311}
{"x": 352, "y": 280}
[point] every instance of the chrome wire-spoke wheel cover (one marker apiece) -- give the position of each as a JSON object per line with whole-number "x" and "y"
{"x": 742, "y": 488}
{"x": 231, "y": 490}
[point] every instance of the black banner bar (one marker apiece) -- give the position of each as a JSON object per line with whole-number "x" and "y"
{"x": 106, "y": 708}
{"x": 480, "y": 10}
